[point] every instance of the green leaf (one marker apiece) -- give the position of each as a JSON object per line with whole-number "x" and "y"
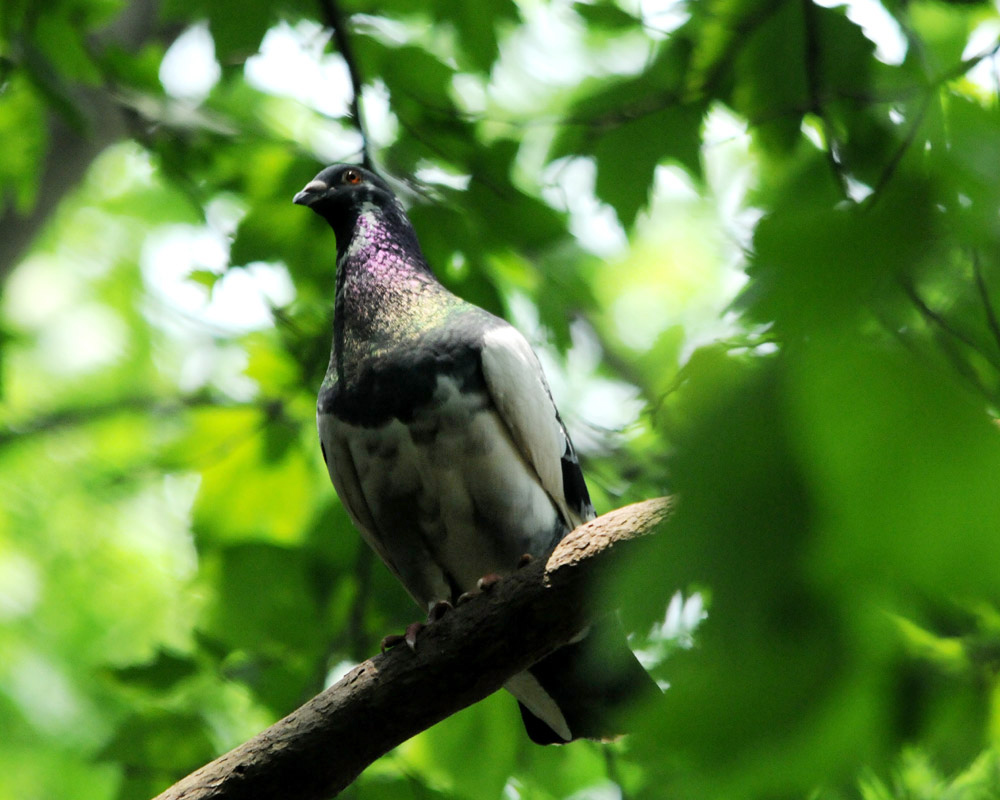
{"x": 476, "y": 26}
{"x": 167, "y": 742}
{"x": 162, "y": 673}
{"x": 274, "y": 229}
{"x": 812, "y": 264}
{"x": 237, "y": 26}
{"x": 442, "y": 751}
{"x": 62, "y": 44}
{"x": 628, "y": 154}
{"x": 789, "y": 645}
{"x": 944, "y": 31}
{"x": 242, "y": 474}
{"x": 606, "y": 15}
{"x": 639, "y": 145}
{"x": 52, "y": 87}
{"x": 891, "y": 506}
{"x": 632, "y": 125}
{"x": 204, "y": 277}
{"x": 264, "y": 597}
{"x": 22, "y": 128}
{"x": 407, "y": 70}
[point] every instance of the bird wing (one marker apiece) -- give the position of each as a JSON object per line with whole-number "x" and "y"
{"x": 517, "y": 386}
{"x": 344, "y": 475}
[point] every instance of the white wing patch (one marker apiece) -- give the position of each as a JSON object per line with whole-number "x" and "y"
{"x": 526, "y": 688}
{"x": 516, "y": 383}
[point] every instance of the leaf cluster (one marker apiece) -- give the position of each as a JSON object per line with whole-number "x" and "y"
{"x": 176, "y": 572}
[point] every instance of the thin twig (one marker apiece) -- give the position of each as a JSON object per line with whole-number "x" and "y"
{"x": 938, "y": 319}
{"x": 335, "y": 20}
{"x": 946, "y": 327}
{"x": 948, "y": 75}
{"x": 668, "y": 99}
{"x": 811, "y": 59}
{"x": 945, "y": 346}
{"x": 85, "y": 415}
{"x": 991, "y": 316}
{"x": 965, "y": 368}
{"x": 500, "y": 191}
{"x": 897, "y": 157}
{"x": 740, "y": 35}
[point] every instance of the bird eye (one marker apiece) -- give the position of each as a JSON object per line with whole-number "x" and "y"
{"x": 351, "y": 176}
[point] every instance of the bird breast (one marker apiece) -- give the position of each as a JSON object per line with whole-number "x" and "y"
{"x": 449, "y": 495}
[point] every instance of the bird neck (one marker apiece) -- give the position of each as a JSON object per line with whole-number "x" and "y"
{"x": 385, "y": 288}
{"x": 371, "y": 227}
{"x": 379, "y": 260}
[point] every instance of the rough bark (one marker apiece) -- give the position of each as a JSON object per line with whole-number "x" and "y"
{"x": 319, "y": 749}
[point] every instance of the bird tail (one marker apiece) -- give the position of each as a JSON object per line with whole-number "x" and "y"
{"x": 583, "y": 689}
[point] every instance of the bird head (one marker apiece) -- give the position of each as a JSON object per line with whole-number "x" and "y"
{"x": 342, "y": 193}
{"x": 342, "y": 188}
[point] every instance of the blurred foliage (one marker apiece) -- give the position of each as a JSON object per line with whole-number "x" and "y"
{"x": 757, "y": 244}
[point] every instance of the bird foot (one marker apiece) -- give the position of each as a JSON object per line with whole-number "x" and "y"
{"x": 487, "y": 582}
{"x": 484, "y": 584}
{"x": 438, "y": 610}
{"x": 409, "y": 636}
{"x": 524, "y": 560}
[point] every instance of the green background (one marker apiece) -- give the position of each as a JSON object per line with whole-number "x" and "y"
{"x": 760, "y": 258}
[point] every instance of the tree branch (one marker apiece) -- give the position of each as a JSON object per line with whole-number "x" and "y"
{"x": 19, "y": 430}
{"x": 335, "y": 21}
{"x": 319, "y": 749}
{"x": 70, "y": 151}
{"x": 942, "y": 322}
{"x": 984, "y": 295}
{"x": 812, "y": 60}
{"x": 897, "y": 156}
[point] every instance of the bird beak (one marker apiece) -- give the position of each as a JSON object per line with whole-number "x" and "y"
{"x": 310, "y": 193}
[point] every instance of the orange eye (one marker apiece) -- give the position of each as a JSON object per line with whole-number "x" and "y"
{"x": 351, "y": 176}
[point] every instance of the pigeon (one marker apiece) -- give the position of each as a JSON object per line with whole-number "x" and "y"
{"x": 444, "y": 445}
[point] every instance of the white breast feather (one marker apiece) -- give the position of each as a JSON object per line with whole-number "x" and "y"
{"x": 458, "y": 467}
{"x": 461, "y": 462}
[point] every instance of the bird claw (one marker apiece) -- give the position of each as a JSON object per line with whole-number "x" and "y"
{"x": 441, "y": 607}
{"x": 524, "y": 560}
{"x": 438, "y": 610}
{"x": 410, "y": 637}
{"x": 487, "y": 582}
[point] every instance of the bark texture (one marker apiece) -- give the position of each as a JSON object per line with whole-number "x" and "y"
{"x": 320, "y": 748}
